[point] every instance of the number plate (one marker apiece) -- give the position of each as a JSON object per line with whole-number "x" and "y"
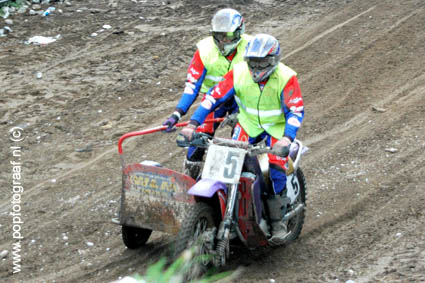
{"x": 293, "y": 187}
{"x": 223, "y": 164}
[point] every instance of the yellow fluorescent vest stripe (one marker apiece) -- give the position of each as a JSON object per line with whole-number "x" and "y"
{"x": 261, "y": 111}
{"x": 216, "y": 79}
{"x": 215, "y": 63}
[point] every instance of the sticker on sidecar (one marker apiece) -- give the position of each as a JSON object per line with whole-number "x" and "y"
{"x": 223, "y": 164}
{"x": 152, "y": 184}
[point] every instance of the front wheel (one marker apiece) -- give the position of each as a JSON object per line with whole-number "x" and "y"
{"x": 195, "y": 228}
{"x": 134, "y": 237}
{"x": 296, "y": 223}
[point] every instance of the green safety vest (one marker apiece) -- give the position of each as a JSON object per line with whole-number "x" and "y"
{"x": 261, "y": 111}
{"x": 216, "y": 64}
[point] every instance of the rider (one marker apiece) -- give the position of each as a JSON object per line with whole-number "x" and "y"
{"x": 271, "y": 107}
{"x": 214, "y": 57}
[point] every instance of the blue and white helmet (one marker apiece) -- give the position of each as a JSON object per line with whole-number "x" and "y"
{"x": 227, "y": 27}
{"x": 262, "y": 55}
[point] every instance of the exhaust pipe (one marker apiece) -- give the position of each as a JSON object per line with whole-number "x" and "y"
{"x": 294, "y": 212}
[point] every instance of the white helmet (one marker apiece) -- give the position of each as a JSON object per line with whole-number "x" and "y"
{"x": 227, "y": 27}
{"x": 262, "y": 55}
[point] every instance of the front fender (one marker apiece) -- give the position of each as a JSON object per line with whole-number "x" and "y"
{"x": 207, "y": 188}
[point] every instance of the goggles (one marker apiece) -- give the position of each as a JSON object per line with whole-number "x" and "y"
{"x": 224, "y": 36}
{"x": 260, "y": 63}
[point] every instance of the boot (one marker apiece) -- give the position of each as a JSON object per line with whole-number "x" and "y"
{"x": 277, "y": 209}
{"x": 192, "y": 168}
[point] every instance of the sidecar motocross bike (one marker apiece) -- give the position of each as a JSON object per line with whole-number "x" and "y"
{"x": 225, "y": 205}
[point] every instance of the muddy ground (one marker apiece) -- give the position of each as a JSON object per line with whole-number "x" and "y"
{"x": 361, "y": 68}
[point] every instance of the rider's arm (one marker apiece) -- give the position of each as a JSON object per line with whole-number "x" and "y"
{"x": 195, "y": 77}
{"x": 293, "y": 107}
{"x": 215, "y": 97}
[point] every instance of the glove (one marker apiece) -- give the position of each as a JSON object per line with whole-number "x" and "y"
{"x": 171, "y": 121}
{"x": 188, "y": 131}
{"x": 230, "y": 120}
{"x": 280, "y": 145}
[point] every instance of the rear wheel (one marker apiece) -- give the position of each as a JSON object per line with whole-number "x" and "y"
{"x": 197, "y": 226}
{"x": 296, "y": 223}
{"x": 134, "y": 237}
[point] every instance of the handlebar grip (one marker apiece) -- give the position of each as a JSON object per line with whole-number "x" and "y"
{"x": 198, "y": 140}
{"x": 182, "y": 141}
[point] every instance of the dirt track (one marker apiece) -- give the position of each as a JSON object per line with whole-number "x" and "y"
{"x": 365, "y": 216}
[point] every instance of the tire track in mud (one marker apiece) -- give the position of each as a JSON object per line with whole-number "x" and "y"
{"x": 403, "y": 97}
{"x": 406, "y": 261}
{"x": 349, "y": 55}
{"x": 326, "y": 32}
{"x": 414, "y": 88}
{"x": 371, "y": 47}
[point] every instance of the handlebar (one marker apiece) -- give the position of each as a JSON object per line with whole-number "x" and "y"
{"x": 203, "y": 140}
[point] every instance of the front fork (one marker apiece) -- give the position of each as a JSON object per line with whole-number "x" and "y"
{"x": 223, "y": 234}
{"x": 225, "y": 225}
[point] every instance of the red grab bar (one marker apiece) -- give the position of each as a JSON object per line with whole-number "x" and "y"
{"x": 156, "y": 129}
